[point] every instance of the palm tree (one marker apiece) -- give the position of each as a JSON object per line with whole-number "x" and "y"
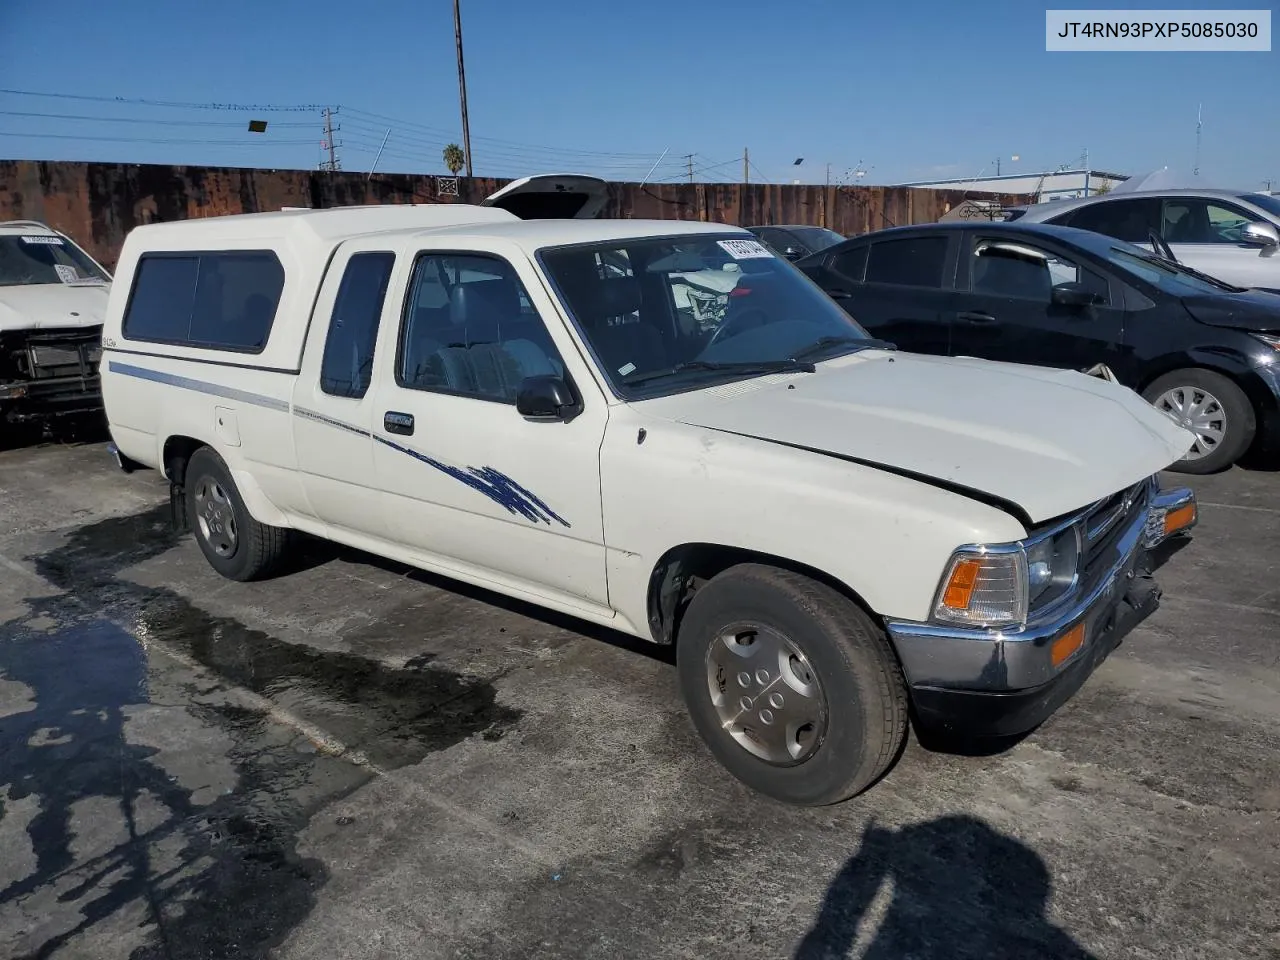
{"x": 453, "y": 158}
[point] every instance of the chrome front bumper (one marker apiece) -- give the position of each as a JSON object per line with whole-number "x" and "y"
{"x": 996, "y": 661}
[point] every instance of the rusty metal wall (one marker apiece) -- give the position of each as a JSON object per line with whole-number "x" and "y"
{"x": 99, "y": 203}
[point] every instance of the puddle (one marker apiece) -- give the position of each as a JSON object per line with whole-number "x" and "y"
{"x": 200, "y": 872}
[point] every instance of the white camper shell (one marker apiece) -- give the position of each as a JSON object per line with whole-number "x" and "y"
{"x": 826, "y": 528}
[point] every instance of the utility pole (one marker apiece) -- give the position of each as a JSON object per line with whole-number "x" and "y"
{"x": 746, "y": 166}
{"x": 828, "y": 174}
{"x": 689, "y": 160}
{"x": 330, "y": 145}
{"x": 1199, "y": 114}
{"x": 997, "y": 166}
{"x": 462, "y": 87}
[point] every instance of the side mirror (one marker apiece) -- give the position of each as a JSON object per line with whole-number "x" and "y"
{"x": 1260, "y": 234}
{"x": 546, "y": 399}
{"x": 793, "y": 253}
{"x": 1073, "y": 295}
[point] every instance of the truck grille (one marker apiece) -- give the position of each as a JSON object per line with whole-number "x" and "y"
{"x": 57, "y": 354}
{"x": 1104, "y": 528}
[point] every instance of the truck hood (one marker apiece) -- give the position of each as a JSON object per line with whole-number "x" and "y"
{"x": 1047, "y": 442}
{"x": 1254, "y": 310}
{"x": 43, "y": 306}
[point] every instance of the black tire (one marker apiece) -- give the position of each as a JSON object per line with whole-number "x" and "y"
{"x": 1241, "y": 421}
{"x": 866, "y": 697}
{"x": 257, "y": 549}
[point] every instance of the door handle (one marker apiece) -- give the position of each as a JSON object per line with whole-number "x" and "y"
{"x": 401, "y": 423}
{"x": 975, "y": 317}
{"x": 838, "y": 294}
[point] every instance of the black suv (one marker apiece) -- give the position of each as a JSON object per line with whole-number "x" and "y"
{"x": 1204, "y": 352}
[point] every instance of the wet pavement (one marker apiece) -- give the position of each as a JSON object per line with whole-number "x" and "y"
{"x": 359, "y": 760}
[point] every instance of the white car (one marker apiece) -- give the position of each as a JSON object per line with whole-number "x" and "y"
{"x": 1229, "y": 234}
{"x": 52, "y": 299}
{"x": 828, "y": 530}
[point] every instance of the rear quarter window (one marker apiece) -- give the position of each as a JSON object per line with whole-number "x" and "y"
{"x": 910, "y": 262}
{"x": 221, "y": 300}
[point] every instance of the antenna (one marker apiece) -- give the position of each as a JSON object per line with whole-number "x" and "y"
{"x": 1199, "y": 110}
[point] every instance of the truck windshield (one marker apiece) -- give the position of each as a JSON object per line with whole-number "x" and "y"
{"x": 667, "y": 314}
{"x": 29, "y": 258}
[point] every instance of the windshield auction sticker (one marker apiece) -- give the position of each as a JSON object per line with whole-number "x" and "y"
{"x": 744, "y": 249}
{"x": 41, "y": 238}
{"x": 1155, "y": 31}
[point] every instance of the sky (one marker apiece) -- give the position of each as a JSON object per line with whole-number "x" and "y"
{"x": 904, "y": 90}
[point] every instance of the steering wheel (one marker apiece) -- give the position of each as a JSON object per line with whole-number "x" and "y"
{"x": 733, "y": 323}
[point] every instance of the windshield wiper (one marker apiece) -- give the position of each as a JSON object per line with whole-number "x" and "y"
{"x": 822, "y": 344}
{"x": 1176, "y": 267}
{"x": 747, "y": 367}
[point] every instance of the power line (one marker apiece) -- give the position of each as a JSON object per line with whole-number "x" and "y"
{"x": 146, "y": 120}
{"x": 384, "y": 120}
{"x": 254, "y": 107}
{"x": 76, "y": 136}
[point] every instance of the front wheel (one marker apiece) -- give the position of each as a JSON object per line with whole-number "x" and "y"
{"x": 790, "y": 684}
{"x": 1216, "y": 412}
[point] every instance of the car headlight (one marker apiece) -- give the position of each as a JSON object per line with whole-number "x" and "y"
{"x": 1052, "y": 564}
{"x": 999, "y": 585}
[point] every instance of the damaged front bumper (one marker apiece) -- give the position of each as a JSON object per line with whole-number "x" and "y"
{"x": 50, "y": 372}
{"x": 991, "y": 682}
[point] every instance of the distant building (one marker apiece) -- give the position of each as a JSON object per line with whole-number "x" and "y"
{"x": 1059, "y": 185}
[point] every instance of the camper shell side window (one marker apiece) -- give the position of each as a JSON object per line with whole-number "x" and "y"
{"x": 219, "y": 300}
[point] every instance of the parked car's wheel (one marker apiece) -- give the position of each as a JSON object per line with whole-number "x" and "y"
{"x": 235, "y": 544}
{"x": 1214, "y": 409}
{"x": 791, "y": 685}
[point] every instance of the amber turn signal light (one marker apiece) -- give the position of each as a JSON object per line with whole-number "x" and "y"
{"x": 964, "y": 577}
{"x": 1179, "y": 519}
{"x": 1066, "y": 645}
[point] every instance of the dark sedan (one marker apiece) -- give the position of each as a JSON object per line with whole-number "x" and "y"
{"x": 1204, "y": 352}
{"x": 796, "y": 240}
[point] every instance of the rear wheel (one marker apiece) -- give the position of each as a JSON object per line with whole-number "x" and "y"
{"x": 1213, "y": 409}
{"x": 793, "y": 688}
{"x": 236, "y": 545}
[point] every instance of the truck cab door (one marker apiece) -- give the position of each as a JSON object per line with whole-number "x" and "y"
{"x": 334, "y": 407}
{"x": 469, "y": 483}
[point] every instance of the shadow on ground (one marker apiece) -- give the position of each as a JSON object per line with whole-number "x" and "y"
{"x": 948, "y": 889}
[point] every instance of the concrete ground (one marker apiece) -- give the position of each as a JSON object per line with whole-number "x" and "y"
{"x": 361, "y": 761}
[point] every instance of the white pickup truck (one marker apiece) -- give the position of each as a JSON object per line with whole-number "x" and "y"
{"x": 52, "y": 298}
{"x": 829, "y": 530}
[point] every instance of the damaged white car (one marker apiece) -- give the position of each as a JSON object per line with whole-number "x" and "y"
{"x": 52, "y": 299}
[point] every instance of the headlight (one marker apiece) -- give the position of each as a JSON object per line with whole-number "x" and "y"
{"x": 1051, "y": 567}
{"x": 999, "y": 585}
{"x": 1271, "y": 340}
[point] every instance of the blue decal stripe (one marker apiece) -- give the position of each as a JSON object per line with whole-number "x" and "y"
{"x": 329, "y": 421}
{"x": 495, "y": 485}
{"x": 199, "y": 386}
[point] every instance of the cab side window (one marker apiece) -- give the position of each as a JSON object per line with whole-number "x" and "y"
{"x": 347, "y": 365}
{"x": 1128, "y": 220}
{"x": 1020, "y": 271}
{"x": 470, "y": 329}
{"x": 1191, "y": 220}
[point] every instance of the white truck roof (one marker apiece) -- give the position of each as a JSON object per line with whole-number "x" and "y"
{"x": 314, "y": 231}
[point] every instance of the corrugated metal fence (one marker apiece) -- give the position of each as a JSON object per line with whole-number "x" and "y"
{"x": 98, "y": 203}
